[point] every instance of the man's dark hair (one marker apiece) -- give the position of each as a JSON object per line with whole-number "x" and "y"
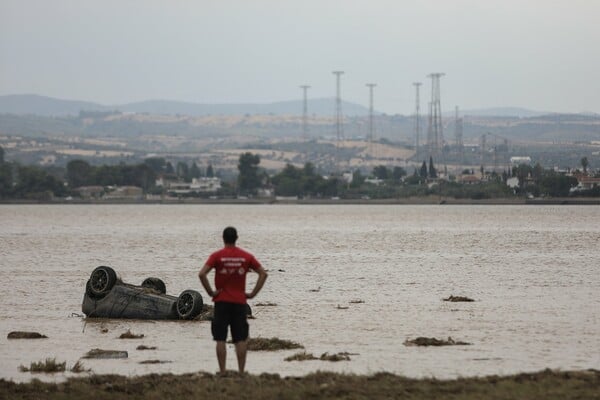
{"x": 229, "y": 235}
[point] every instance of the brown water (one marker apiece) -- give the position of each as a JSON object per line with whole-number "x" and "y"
{"x": 534, "y": 271}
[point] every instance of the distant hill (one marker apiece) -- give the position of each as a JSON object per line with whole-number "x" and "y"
{"x": 28, "y": 104}
{"x": 499, "y": 112}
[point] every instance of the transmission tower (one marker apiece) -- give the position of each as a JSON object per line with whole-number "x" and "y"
{"x": 371, "y": 86}
{"x": 435, "y": 137}
{"x": 458, "y": 133}
{"x": 305, "y": 112}
{"x": 339, "y": 123}
{"x": 417, "y": 118}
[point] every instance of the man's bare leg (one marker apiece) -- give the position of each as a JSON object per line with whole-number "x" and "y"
{"x": 221, "y": 355}
{"x": 241, "y": 349}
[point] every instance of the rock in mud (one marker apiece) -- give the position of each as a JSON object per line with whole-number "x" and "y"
{"x": 25, "y": 335}
{"x": 130, "y": 335}
{"x": 105, "y": 354}
{"x": 456, "y": 299}
{"x": 425, "y": 341}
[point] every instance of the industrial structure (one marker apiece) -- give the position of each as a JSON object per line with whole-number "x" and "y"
{"x": 435, "y": 136}
{"x": 371, "y": 130}
{"x": 417, "y": 118}
{"x": 339, "y": 122}
{"x": 305, "y": 112}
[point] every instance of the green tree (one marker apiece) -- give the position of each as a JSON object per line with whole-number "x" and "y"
{"x": 195, "y": 171}
{"x": 357, "y": 179}
{"x": 557, "y": 185}
{"x": 398, "y": 173}
{"x": 36, "y": 183}
{"x": 210, "y": 173}
{"x": 381, "y": 172}
{"x": 6, "y": 180}
{"x": 169, "y": 168}
{"x": 79, "y": 173}
{"x": 183, "y": 171}
{"x": 432, "y": 170}
{"x": 537, "y": 172}
{"x": 1, "y": 155}
{"x": 157, "y": 164}
{"x": 584, "y": 164}
{"x": 248, "y": 179}
{"x": 423, "y": 171}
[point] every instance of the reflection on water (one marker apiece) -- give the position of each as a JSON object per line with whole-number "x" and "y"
{"x": 533, "y": 271}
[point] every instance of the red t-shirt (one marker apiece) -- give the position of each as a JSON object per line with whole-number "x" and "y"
{"x": 231, "y": 265}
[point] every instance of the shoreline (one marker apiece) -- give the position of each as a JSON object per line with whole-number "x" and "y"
{"x": 545, "y": 384}
{"x": 270, "y": 201}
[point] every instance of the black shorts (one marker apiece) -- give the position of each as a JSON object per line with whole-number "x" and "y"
{"x": 233, "y": 315}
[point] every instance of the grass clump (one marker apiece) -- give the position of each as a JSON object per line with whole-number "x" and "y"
{"x": 302, "y": 356}
{"x": 130, "y": 335}
{"x": 25, "y": 335}
{"x": 104, "y": 354}
{"x": 78, "y": 368}
{"x": 335, "y": 357}
{"x": 266, "y": 304}
{"x": 272, "y": 344}
{"x": 49, "y": 366}
{"x": 154, "y": 362}
{"x": 143, "y": 347}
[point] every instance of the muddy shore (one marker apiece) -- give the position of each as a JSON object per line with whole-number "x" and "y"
{"x": 540, "y": 385}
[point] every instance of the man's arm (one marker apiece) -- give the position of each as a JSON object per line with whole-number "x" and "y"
{"x": 262, "y": 277}
{"x": 203, "y": 275}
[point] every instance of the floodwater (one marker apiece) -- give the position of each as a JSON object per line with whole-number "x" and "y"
{"x": 534, "y": 272}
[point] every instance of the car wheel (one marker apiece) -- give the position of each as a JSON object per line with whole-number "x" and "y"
{"x": 102, "y": 280}
{"x": 156, "y": 284}
{"x": 189, "y": 304}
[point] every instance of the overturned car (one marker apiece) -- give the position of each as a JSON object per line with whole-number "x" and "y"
{"x": 106, "y": 296}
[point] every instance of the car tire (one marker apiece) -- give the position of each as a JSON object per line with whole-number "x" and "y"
{"x": 156, "y": 284}
{"x": 102, "y": 280}
{"x": 189, "y": 304}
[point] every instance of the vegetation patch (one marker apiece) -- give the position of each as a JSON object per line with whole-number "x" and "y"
{"x": 143, "y": 347}
{"x": 456, "y": 299}
{"x": 79, "y": 368}
{"x": 130, "y": 335}
{"x": 102, "y": 354}
{"x": 272, "y": 344}
{"x": 302, "y": 356}
{"x": 547, "y": 385}
{"x": 425, "y": 341}
{"x": 25, "y": 335}
{"x": 335, "y": 357}
{"x": 49, "y": 366}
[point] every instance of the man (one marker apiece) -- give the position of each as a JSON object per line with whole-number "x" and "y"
{"x": 231, "y": 265}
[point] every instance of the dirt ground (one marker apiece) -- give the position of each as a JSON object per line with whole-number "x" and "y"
{"x": 541, "y": 385}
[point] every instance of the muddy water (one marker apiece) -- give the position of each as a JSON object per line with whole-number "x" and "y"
{"x": 534, "y": 271}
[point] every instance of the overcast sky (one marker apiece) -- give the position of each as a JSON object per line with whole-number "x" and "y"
{"x": 538, "y": 54}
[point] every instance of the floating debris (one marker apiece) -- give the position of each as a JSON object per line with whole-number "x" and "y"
{"x": 458, "y": 299}
{"x": 271, "y": 344}
{"x": 315, "y": 290}
{"x": 130, "y": 335}
{"x": 104, "y": 330}
{"x": 342, "y": 307}
{"x": 25, "y": 335}
{"x": 154, "y": 362}
{"x": 304, "y": 356}
{"x": 357, "y": 301}
{"x": 334, "y": 357}
{"x": 281, "y": 270}
{"x": 49, "y": 366}
{"x": 143, "y": 347}
{"x": 266, "y": 304}
{"x": 425, "y": 341}
{"x": 105, "y": 354}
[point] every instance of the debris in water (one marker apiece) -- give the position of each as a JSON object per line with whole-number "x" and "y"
{"x": 272, "y": 344}
{"x": 154, "y": 362}
{"x": 425, "y": 341}
{"x": 357, "y": 301}
{"x": 142, "y": 347}
{"x": 342, "y": 307}
{"x": 281, "y": 270}
{"x": 458, "y": 299}
{"x": 49, "y": 366}
{"x": 334, "y": 357}
{"x": 315, "y": 290}
{"x": 304, "y": 356}
{"x": 206, "y": 314}
{"x": 267, "y": 304}
{"x": 25, "y": 335}
{"x": 130, "y": 335}
{"x": 104, "y": 330}
{"x": 103, "y": 354}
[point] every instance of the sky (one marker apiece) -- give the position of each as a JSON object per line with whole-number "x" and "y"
{"x": 538, "y": 54}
